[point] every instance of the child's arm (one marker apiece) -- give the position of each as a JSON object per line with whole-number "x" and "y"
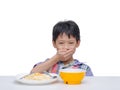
{"x": 60, "y": 55}
{"x": 46, "y": 65}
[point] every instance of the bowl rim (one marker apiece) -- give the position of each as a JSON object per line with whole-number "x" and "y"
{"x": 69, "y": 70}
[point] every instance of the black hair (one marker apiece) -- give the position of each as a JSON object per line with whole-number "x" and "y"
{"x": 67, "y": 27}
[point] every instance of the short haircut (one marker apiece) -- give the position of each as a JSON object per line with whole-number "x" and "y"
{"x": 67, "y": 27}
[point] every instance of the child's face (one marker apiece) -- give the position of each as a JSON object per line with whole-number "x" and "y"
{"x": 65, "y": 44}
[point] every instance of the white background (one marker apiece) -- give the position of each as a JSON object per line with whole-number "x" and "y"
{"x": 26, "y": 33}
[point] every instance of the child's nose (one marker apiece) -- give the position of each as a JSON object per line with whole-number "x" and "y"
{"x": 66, "y": 47}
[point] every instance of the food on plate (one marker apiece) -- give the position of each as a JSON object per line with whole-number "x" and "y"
{"x": 37, "y": 76}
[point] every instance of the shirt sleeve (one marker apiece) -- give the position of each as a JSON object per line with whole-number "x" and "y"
{"x": 87, "y": 69}
{"x": 89, "y": 72}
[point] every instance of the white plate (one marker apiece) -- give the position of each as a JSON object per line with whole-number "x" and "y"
{"x": 35, "y": 82}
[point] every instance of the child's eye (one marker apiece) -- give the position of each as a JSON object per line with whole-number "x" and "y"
{"x": 61, "y": 43}
{"x": 71, "y": 42}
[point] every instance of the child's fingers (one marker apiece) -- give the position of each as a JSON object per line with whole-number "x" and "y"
{"x": 68, "y": 54}
{"x": 65, "y": 54}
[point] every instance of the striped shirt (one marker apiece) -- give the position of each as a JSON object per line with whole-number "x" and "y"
{"x": 75, "y": 64}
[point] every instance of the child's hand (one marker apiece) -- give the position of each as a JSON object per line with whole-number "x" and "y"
{"x": 65, "y": 54}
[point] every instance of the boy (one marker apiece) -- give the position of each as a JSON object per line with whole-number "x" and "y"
{"x": 66, "y": 38}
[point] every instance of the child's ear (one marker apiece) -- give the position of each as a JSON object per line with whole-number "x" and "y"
{"x": 54, "y": 44}
{"x": 78, "y": 44}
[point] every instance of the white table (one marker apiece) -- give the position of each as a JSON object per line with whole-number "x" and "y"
{"x": 89, "y": 83}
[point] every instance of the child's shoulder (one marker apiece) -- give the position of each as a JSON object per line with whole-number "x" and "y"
{"x": 81, "y": 65}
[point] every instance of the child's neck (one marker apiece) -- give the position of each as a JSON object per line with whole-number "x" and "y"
{"x": 68, "y": 61}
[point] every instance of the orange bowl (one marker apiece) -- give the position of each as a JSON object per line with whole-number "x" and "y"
{"x": 72, "y": 76}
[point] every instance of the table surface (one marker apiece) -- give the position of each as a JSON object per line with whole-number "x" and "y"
{"x": 88, "y": 83}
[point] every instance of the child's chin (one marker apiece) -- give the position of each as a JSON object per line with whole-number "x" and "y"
{"x": 64, "y": 60}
